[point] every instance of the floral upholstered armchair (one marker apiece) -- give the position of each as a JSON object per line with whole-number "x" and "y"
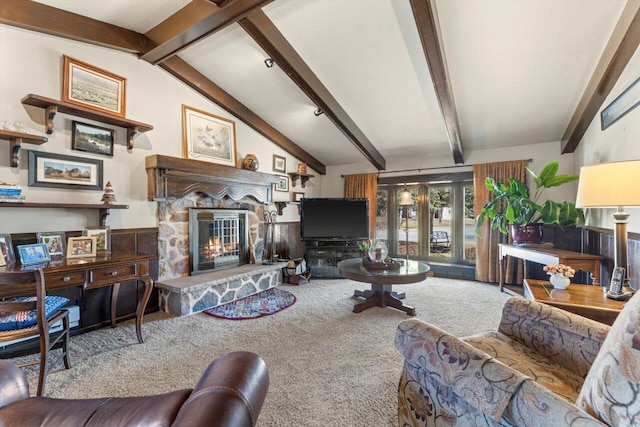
{"x": 543, "y": 367}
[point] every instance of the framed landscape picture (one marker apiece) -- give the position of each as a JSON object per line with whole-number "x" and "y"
{"x": 103, "y": 238}
{"x": 79, "y": 247}
{"x": 91, "y": 87}
{"x": 60, "y": 171}
{"x": 92, "y": 139}
{"x": 208, "y": 137}
{"x": 55, "y": 242}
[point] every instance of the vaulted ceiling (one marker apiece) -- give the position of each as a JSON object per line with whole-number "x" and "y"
{"x": 393, "y": 78}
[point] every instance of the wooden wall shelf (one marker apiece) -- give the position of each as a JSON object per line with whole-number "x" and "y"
{"x": 304, "y": 177}
{"x": 16, "y": 139}
{"x": 53, "y": 106}
{"x": 105, "y": 210}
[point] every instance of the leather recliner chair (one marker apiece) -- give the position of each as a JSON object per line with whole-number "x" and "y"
{"x": 230, "y": 393}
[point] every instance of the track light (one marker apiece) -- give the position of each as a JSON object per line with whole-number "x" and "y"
{"x": 318, "y": 112}
{"x": 269, "y": 62}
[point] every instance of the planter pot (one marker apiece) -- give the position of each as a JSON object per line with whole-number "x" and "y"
{"x": 528, "y": 233}
{"x": 559, "y": 282}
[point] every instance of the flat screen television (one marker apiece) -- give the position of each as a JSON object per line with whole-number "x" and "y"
{"x": 334, "y": 219}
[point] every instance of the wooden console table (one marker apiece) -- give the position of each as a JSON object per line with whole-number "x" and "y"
{"x": 584, "y": 300}
{"x": 576, "y": 260}
{"x": 91, "y": 273}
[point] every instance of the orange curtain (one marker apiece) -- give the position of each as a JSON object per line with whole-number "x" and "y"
{"x": 487, "y": 263}
{"x": 364, "y": 185}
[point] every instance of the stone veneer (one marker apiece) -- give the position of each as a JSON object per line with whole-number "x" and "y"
{"x": 193, "y": 294}
{"x": 173, "y": 236}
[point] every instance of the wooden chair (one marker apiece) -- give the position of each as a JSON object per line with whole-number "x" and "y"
{"x": 18, "y": 309}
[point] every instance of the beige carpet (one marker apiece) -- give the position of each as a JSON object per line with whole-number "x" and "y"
{"x": 328, "y": 366}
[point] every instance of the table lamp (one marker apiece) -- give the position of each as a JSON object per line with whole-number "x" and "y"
{"x": 406, "y": 200}
{"x": 610, "y": 185}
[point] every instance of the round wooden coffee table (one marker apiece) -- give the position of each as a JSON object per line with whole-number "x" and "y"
{"x": 381, "y": 294}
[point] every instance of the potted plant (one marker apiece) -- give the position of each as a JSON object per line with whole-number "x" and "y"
{"x": 513, "y": 206}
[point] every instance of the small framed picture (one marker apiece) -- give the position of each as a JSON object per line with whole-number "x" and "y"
{"x": 81, "y": 247}
{"x": 3, "y": 262}
{"x": 6, "y": 247}
{"x": 296, "y": 197}
{"x": 55, "y": 241}
{"x": 283, "y": 184}
{"x": 103, "y": 238}
{"x": 279, "y": 164}
{"x": 90, "y": 87}
{"x": 33, "y": 254}
{"x": 92, "y": 139}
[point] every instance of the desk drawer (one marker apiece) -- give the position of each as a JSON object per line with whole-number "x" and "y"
{"x": 63, "y": 280}
{"x": 110, "y": 275}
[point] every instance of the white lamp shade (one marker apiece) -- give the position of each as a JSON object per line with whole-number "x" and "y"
{"x": 609, "y": 185}
{"x": 405, "y": 198}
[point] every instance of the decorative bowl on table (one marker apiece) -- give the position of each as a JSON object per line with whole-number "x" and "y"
{"x": 386, "y": 264}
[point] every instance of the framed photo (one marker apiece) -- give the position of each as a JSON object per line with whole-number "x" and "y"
{"x": 103, "y": 238}
{"x": 296, "y": 197}
{"x": 60, "y": 171}
{"x": 283, "y": 184}
{"x": 33, "y": 254}
{"x": 55, "y": 242}
{"x": 91, "y": 87}
{"x": 92, "y": 139}
{"x": 6, "y": 247}
{"x": 623, "y": 104}
{"x": 81, "y": 247}
{"x": 208, "y": 137}
{"x": 3, "y": 262}
{"x": 279, "y": 164}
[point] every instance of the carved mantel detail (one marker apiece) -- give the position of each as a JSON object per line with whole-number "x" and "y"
{"x": 172, "y": 178}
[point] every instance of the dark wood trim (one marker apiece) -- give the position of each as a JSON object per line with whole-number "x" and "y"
{"x": 201, "y": 84}
{"x": 452, "y": 177}
{"x": 230, "y": 13}
{"x": 36, "y": 16}
{"x": 622, "y": 45}
{"x": 426, "y": 19}
{"x": 269, "y": 38}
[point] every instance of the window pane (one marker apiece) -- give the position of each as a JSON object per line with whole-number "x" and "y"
{"x": 381, "y": 216}
{"x": 408, "y": 224}
{"x": 469, "y": 225}
{"x": 440, "y": 222}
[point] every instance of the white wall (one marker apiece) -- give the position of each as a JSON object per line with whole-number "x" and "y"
{"x": 620, "y": 141}
{"x": 33, "y": 63}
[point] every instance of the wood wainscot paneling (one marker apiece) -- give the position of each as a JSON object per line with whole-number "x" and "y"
{"x": 288, "y": 242}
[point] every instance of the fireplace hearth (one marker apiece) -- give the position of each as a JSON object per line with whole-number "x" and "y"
{"x": 218, "y": 239}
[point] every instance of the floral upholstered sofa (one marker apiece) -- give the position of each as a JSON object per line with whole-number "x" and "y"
{"x": 543, "y": 367}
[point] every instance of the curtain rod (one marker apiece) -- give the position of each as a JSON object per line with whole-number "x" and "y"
{"x": 431, "y": 168}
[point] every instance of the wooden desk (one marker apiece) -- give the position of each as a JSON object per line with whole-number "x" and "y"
{"x": 586, "y": 300}
{"x": 576, "y": 260}
{"x": 91, "y": 273}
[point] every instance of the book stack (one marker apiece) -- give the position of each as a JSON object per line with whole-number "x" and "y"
{"x": 11, "y": 192}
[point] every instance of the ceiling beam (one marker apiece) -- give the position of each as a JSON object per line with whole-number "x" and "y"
{"x": 192, "y": 13}
{"x": 230, "y": 13}
{"x": 426, "y": 19}
{"x": 201, "y": 84}
{"x": 269, "y": 38}
{"x": 622, "y": 45}
{"x": 35, "y": 16}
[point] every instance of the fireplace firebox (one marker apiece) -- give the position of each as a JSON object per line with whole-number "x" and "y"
{"x": 218, "y": 239}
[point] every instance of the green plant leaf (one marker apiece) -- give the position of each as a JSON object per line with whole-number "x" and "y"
{"x": 559, "y": 180}
{"x": 548, "y": 172}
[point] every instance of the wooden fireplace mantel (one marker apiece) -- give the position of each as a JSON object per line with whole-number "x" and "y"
{"x": 171, "y": 178}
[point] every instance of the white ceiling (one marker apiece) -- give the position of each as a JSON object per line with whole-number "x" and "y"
{"x": 517, "y": 68}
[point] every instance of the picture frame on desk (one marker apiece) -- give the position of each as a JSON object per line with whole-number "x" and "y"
{"x": 3, "y": 262}
{"x": 60, "y": 171}
{"x": 36, "y": 253}
{"x": 103, "y": 238}
{"x": 81, "y": 247}
{"x": 55, "y": 241}
{"x": 6, "y": 247}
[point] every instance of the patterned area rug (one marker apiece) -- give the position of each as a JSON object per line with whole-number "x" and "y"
{"x": 264, "y": 303}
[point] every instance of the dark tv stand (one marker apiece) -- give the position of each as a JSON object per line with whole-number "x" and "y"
{"x": 323, "y": 256}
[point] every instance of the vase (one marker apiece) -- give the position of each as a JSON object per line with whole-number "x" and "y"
{"x": 378, "y": 251}
{"x": 526, "y": 233}
{"x": 559, "y": 282}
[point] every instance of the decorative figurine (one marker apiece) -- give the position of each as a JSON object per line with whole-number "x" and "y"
{"x": 108, "y": 198}
{"x": 250, "y": 162}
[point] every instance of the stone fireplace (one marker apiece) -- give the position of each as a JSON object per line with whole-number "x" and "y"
{"x": 185, "y": 188}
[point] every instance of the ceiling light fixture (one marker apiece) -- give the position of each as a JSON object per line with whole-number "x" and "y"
{"x": 269, "y": 62}
{"x": 318, "y": 112}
